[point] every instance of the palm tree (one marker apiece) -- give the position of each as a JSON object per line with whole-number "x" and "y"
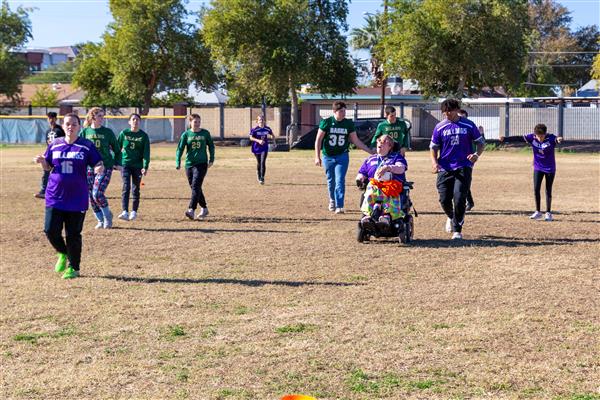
{"x": 368, "y": 38}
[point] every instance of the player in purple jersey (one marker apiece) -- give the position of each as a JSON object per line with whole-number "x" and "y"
{"x": 452, "y": 159}
{"x": 384, "y": 166}
{"x": 259, "y": 136}
{"x": 544, "y": 166}
{"x": 67, "y": 193}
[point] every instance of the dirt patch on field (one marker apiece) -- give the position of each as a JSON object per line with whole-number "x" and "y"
{"x": 271, "y": 294}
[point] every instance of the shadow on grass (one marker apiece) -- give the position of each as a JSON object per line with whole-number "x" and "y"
{"x": 202, "y": 230}
{"x": 244, "y": 282}
{"x": 484, "y": 241}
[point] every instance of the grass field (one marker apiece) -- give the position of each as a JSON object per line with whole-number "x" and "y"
{"x": 272, "y": 294}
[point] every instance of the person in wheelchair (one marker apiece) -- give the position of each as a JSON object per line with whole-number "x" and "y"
{"x": 383, "y": 175}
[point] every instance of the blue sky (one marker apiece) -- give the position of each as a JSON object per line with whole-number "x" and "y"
{"x": 65, "y": 22}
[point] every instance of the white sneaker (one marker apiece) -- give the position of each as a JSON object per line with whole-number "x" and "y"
{"x": 339, "y": 210}
{"x": 132, "y": 215}
{"x": 536, "y": 215}
{"x": 124, "y": 215}
{"x": 449, "y": 225}
{"x": 457, "y": 236}
{"x": 203, "y": 213}
{"x": 332, "y": 205}
{"x": 99, "y": 225}
{"x": 548, "y": 217}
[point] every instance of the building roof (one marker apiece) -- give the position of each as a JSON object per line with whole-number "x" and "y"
{"x": 70, "y": 51}
{"x": 591, "y": 88}
{"x": 28, "y": 90}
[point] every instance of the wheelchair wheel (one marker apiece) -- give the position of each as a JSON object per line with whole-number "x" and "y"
{"x": 406, "y": 234}
{"x": 409, "y": 228}
{"x": 361, "y": 234}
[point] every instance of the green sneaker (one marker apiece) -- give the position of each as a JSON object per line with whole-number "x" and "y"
{"x": 70, "y": 273}
{"x": 61, "y": 264}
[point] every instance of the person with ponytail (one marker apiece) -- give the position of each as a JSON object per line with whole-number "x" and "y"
{"x": 106, "y": 143}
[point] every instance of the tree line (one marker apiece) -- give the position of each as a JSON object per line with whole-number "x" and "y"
{"x": 265, "y": 49}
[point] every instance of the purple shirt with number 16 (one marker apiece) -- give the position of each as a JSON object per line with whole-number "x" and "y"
{"x": 67, "y": 188}
{"x": 455, "y": 142}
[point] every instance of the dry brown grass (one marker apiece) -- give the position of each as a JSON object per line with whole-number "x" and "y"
{"x": 273, "y": 295}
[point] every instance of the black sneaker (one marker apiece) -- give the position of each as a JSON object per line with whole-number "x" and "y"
{"x": 469, "y": 207}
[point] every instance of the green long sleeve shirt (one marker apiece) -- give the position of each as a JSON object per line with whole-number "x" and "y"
{"x": 195, "y": 144}
{"x": 106, "y": 142}
{"x": 135, "y": 148}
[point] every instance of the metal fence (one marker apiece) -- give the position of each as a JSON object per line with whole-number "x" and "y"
{"x": 28, "y": 124}
{"x": 572, "y": 120}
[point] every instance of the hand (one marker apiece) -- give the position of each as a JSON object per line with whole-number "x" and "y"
{"x": 38, "y": 159}
{"x": 144, "y": 172}
{"x": 473, "y": 157}
{"x": 318, "y": 161}
{"x": 435, "y": 168}
{"x": 98, "y": 169}
{"x": 261, "y": 142}
{"x": 559, "y": 139}
{"x": 210, "y": 164}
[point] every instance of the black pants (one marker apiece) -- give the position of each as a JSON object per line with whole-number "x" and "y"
{"x": 132, "y": 179}
{"x": 195, "y": 175}
{"x": 44, "y": 181}
{"x": 470, "y": 198}
{"x": 538, "y": 176}
{"x": 261, "y": 165}
{"x": 453, "y": 187}
{"x": 72, "y": 221}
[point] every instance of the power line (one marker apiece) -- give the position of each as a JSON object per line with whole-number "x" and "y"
{"x": 563, "y": 52}
{"x": 561, "y": 65}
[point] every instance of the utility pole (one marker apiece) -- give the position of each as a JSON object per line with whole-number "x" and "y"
{"x": 383, "y": 77}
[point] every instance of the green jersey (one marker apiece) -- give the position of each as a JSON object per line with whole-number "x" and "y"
{"x": 398, "y": 131}
{"x": 105, "y": 141}
{"x": 337, "y": 135}
{"x": 135, "y": 148}
{"x": 195, "y": 144}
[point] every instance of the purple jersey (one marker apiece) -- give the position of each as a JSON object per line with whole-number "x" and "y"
{"x": 543, "y": 152}
{"x": 262, "y": 134}
{"x": 67, "y": 188}
{"x": 372, "y": 163}
{"x": 454, "y": 141}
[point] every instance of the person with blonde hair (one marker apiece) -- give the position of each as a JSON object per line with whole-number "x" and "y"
{"x": 195, "y": 141}
{"x": 106, "y": 142}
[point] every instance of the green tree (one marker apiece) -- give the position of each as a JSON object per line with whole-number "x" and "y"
{"x": 450, "y": 50}
{"x": 148, "y": 48}
{"x": 15, "y": 31}
{"x": 596, "y": 68}
{"x": 44, "y": 96}
{"x": 368, "y": 38}
{"x": 59, "y": 73}
{"x": 269, "y": 47}
{"x": 557, "y": 57}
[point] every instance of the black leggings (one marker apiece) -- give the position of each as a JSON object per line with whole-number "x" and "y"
{"x": 261, "y": 165}
{"x": 195, "y": 175}
{"x": 132, "y": 179}
{"x": 72, "y": 221}
{"x": 537, "y": 185}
